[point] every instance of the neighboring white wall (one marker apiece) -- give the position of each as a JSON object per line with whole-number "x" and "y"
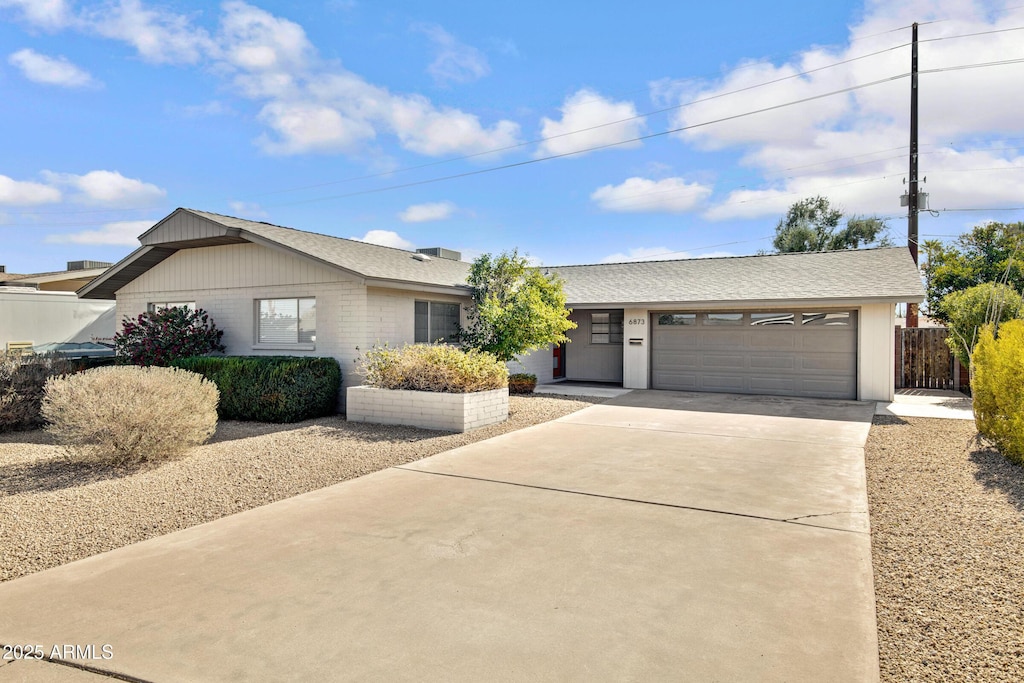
{"x": 636, "y": 357}
{"x": 876, "y": 373}
{"x": 427, "y": 409}
{"x": 52, "y": 317}
{"x": 226, "y": 280}
{"x": 539, "y": 363}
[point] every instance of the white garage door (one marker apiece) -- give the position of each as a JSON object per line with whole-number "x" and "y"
{"x": 787, "y": 353}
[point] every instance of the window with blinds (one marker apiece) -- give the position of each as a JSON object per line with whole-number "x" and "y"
{"x": 436, "y": 321}
{"x": 286, "y": 321}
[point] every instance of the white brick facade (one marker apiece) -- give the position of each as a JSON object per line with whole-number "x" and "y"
{"x": 427, "y": 409}
{"x": 226, "y": 281}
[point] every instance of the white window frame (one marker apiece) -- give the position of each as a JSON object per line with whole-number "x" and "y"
{"x": 283, "y": 345}
{"x": 156, "y": 306}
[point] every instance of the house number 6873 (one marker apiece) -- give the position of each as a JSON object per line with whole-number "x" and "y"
{"x": 637, "y": 321}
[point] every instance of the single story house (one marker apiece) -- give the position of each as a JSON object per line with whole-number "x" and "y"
{"x": 814, "y": 324}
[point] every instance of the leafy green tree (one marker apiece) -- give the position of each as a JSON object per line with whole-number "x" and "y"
{"x": 971, "y": 309}
{"x": 517, "y": 308}
{"x": 988, "y": 253}
{"x": 814, "y": 225}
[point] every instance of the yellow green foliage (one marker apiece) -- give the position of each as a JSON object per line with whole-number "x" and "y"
{"x": 998, "y": 366}
{"x": 426, "y": 367}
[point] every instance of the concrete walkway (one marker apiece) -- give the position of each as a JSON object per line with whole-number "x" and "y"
{"x": 934, "y": 403}
{"x": 659, "y": 536}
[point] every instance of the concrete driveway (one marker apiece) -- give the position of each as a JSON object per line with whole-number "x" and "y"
{"x": 659, "y": 536}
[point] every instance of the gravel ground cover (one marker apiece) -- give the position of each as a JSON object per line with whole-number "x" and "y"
{"x": 53, "y": 511}
{"x": 947, "y": 526}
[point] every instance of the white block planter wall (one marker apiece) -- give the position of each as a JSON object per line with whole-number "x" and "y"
{"x": 427, "y": 409}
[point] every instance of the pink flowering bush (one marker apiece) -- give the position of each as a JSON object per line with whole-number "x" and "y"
{"x": 160, "y": 337}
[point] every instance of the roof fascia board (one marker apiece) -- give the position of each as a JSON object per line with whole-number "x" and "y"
{"x": 384, "y": 283}
{"x": 131, "y": 258}
{"x": 68, "y": 275}
{"x": 748, "y": 303}
{"x": 271, "y": 244}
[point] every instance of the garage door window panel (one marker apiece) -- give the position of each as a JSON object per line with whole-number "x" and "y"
{"x": 771, "y": 319}
{"x": 840, "y": 319}
{"x": 730, "y": 319}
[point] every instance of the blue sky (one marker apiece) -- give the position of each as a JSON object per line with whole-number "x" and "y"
{"x": 309, "y": 114}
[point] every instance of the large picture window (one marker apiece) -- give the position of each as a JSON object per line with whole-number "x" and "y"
{"x": 286, "y": 321}
{"x": 436, "y": 321}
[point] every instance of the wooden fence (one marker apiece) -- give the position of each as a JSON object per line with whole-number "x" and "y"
{"x": 923, "y": 361}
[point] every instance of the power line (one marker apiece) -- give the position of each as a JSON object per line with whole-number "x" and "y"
{"x": 560, "y": 135}
{"x": 599, "y": 147}
{"x": 970, "y": 35}
{"x": 963, "y": 67}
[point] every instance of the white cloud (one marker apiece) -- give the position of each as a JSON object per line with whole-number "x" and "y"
{"x": 430, "y": 211}
{"x": 250, "y": 210}
{"x": 587, "y": 109}
{"x": 308, "y": 104}
{"x": 386, "y": 238}
{"x": 119, "y": 233}
{"x": 659, "y": 254}
{"x": 45, "y": 14}
{"x": 107, "y": 187}
{"x": 642, "y": 195}
{"x": 438, "y": 131}
{"x": 455, "y": 62}
{"x": 25, "y": 192}
{"x": 160, "y": 36}
{"x": 50, "y": 70}
{"x": 960, "y": 112}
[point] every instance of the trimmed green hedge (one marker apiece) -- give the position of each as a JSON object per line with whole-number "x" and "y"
{"x": 270, "y": 388}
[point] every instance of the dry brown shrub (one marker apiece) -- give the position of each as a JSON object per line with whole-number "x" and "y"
{"x": 432, "y": 367}
{"x": 127, "y": 415}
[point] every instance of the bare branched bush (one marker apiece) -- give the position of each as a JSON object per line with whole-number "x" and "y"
{"x": 22, "y": 380}
{"x": 127, "y": 415}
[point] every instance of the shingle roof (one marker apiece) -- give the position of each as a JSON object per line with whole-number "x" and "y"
{"x": 369, "y": 260}
{"x": 887, "y": 273}
{"x": 868, "y": 274}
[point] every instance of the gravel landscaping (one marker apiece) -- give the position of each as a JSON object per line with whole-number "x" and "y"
{"x": 53, "y": 511}
{"x": 947, "y": 524}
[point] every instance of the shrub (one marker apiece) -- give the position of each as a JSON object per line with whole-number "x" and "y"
{"x": 440, "y": 368}
{"x": 128, "y": 415}
{"x": 271, "y": 388}
{"x": 970, "y": 309}
{"x": 161, "y": 337}
{"x": 22, "y": 385}
{"x": 522, "y": 383}
{"x": 998, "y": 390}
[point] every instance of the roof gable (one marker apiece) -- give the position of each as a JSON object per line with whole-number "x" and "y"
{"x": 190, "y": 229}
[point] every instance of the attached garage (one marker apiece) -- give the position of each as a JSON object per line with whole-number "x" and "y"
{"x": 783, "y": 353}
{"x": 817, "y": 325}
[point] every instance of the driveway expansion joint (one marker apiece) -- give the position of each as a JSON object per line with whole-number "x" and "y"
{"x": 692, "y": 508}
{"x": 562, "y": 420}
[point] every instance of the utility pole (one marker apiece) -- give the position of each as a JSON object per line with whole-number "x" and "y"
{"x": 912, "y": 199}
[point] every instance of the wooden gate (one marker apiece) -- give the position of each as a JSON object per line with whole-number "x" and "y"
{"x": 923, "y": 361}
